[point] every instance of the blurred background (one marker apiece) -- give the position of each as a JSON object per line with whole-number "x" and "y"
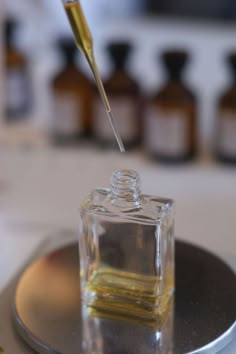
{"x": 204, "y": 30}
{"x": 169, "y": 69}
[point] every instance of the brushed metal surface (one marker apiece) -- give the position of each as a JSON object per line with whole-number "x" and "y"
{"x": 47, "y": 313}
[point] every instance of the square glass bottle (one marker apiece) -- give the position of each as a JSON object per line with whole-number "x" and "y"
{"x": 126, "y": 244}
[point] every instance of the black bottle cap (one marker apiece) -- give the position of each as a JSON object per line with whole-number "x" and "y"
{"x": 10, "y": 25}
{"x": 119, "y": 52}
{"x": 68, "y": 49}
{"x": 174, "y": 62}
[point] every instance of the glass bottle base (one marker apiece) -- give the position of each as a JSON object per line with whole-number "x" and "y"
{"x": 174, "y": 159}
{"x": 111, "y": 144}
{"x": 14, "y": 115}
{"x": 64, "y": 141}
{"x": 226, "y": 159}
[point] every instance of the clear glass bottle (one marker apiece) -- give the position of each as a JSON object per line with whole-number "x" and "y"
{"x": 125, "y": 99}
{"x": 126, "y": 250}
{"x": 170, "y": 121}
{"x": 225, "y": 139}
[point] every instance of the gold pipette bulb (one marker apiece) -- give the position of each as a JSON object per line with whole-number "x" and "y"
{"x": 84, "y": 41}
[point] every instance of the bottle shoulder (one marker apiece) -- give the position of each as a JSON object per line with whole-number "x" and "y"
{"x": 14, "y": 58}
{"x": 121, "y": 82}
{"x": 71, "y": 78}
{"x": 173, "y": 92}
{"x": 150, "y": 209}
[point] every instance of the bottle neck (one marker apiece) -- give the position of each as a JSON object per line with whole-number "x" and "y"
{"x": 118, "y": 66}
{"x": 177, "y": 76}
{"x": 70, "y": 60}
{"x": 126, "y": 188}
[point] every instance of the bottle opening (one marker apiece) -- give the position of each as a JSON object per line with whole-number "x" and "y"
{"x": 126, "y": 185}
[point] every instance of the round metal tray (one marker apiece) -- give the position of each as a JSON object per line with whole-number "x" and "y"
{"x": 47, "y": 312}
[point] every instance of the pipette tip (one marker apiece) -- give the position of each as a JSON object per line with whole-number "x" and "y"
{"x": 122, "y": 148}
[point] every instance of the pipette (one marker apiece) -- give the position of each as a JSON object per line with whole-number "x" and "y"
{"x": 84, "y": 41}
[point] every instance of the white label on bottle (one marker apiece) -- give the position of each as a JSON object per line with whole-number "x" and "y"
{"x": 227, "y": 133}
{"x": 16, "y": 88}
{"x": 165, "y": 132}
{"x": 125, "y": 114}
{"x": 66, "y": 116}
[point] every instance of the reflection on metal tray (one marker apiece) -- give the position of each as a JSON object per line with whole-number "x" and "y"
{"x": 47, "y": 310}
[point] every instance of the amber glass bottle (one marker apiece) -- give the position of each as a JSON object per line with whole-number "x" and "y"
{"x": 18, "y": 98}
{"x": 170, "y": 122}
{"x": 125, "y": 100}
{"x": 72, "y": 99}
{"x": 226, "y": 125}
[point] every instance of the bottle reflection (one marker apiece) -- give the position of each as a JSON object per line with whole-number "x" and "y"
{"x": 105, "y": 335}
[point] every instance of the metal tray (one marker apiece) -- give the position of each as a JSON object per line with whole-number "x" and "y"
{"x": 47, "y": 313}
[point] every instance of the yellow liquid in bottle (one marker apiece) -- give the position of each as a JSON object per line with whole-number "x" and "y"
{"x": 84, "y": 41}
{"x": 119, "y": 294}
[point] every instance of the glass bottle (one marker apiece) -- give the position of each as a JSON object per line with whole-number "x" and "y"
{"x": 126, "y": 246}
{"x": 170, "y": 122}
{"x": 72, "y": 98}
{"x": 125, "y": 100}
{"x": 18, "y": 98}
{"x": 225, "y": 139}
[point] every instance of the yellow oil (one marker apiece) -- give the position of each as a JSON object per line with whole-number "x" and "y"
{"x": 119, "y": 294}
{"x": 84, "y": 41}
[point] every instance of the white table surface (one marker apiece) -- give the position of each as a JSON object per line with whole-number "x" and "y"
{"x": 42, "y": 188}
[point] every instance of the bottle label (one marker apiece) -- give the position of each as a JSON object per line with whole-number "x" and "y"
{"x": 227, "y": 133}
{"x": 166, "y": 132}
{"x": 66, "y": 116}
{"x": 16, "y": 89}
{"x": 125, "y": 114}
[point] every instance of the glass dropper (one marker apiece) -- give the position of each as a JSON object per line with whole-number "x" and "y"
{"x": 84, "y": 41}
